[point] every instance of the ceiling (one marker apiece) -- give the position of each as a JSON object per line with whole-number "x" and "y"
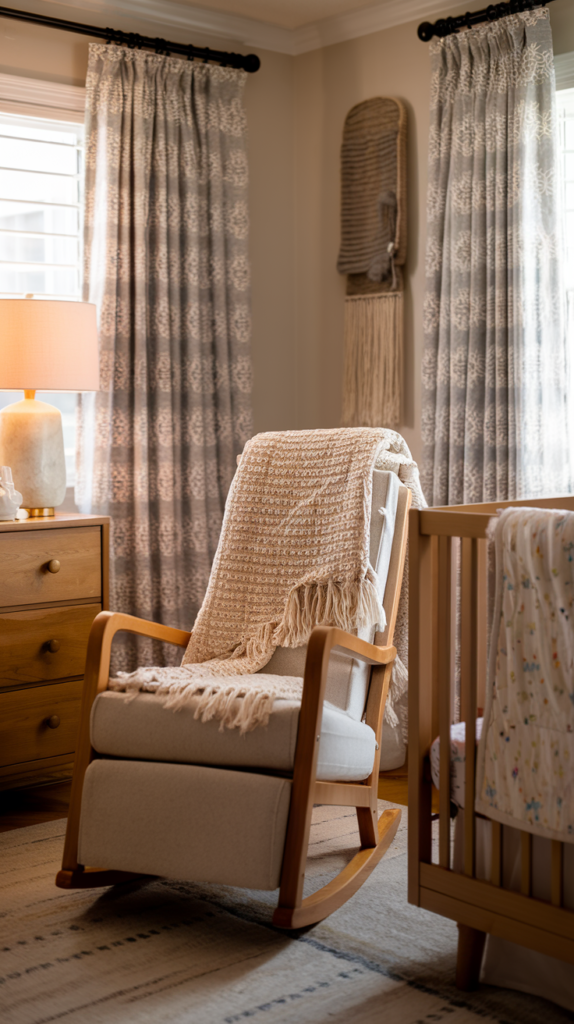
{"x": 289, "y": 14}
{"x": 284, "y": 26}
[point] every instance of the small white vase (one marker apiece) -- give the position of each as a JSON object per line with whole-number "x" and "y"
{"x": 8, "y": 482}
{"x": 10, "y": 498}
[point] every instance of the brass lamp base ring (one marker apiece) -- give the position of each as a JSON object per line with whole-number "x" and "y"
{"x": 36, "y": 513}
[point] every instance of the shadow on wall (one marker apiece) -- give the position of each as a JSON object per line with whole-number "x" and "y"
{"x": 328, "y": 83}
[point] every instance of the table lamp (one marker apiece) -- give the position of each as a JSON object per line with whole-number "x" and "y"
{"x": 45, "y": 345}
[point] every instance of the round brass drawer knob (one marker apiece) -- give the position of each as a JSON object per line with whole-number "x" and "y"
{"x": 53, "y": 722}
{"x": 53, "y": 565}
{"x": 53, "y": 646}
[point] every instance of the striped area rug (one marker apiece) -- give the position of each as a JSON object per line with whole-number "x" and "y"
{"x": 189, "y": 954}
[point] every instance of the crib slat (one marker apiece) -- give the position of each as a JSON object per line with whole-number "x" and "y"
{"x": 454, "y": 626}
{"x": 468, "y": 688}
{"x": 420, "y": 691}
{"x": 482, "y": 623}
{"x": 435, "y": 627}
{"x": 496, "y": 854}
{"x": 444, "y": 697}
{"x": 556, "y": 873}
{"x": 526, "y": 863}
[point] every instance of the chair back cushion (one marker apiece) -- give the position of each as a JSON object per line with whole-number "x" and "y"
{"x": 348, "y": 680}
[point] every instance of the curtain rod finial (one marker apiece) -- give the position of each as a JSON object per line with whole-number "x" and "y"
{"x": 425, "y": 31}
{"x": 251, "y": 62}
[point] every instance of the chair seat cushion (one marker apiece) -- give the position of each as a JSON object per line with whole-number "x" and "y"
{"x": 142, "y": 728}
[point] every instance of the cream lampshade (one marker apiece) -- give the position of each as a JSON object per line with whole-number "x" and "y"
{"x": 49, "y": 345}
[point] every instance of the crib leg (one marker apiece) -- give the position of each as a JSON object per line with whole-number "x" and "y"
{"x": 469, "y": 957}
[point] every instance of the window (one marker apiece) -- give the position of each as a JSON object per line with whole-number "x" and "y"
{"x": 41, "y": 180}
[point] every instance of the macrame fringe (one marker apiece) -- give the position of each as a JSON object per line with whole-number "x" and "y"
{"x": 373, "y": 360}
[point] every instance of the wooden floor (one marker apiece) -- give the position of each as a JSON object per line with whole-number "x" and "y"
{"x": 34, "y": 804}
{"x": 394, "y": 786}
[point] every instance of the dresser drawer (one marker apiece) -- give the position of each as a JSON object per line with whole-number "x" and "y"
{"x": 25, "y": 556}
{"x": 25, "y": 639}
{"x": 25, "y": 734}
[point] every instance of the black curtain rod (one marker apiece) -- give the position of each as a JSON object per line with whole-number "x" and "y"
{"x": 133, "y": 40}
{"x": 446, "y": 26}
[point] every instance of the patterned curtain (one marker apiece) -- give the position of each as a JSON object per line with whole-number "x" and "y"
{"x": 495, "y": 415}
{"x": 166, "y": 232}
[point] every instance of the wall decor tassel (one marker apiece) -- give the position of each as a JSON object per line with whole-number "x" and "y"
{"x": 373, "y": 251}
{"x": 373, "y": 381}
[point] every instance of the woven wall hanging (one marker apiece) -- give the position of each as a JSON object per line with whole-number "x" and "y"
{"x": 373, "y": 251}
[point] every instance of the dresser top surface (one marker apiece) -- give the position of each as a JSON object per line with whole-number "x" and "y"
{"x": 52, "y": 522}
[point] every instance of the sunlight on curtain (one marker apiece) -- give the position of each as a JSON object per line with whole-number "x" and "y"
{"x": 565, "y": 105}
{"x": 495, "y": 372}
{"x": 166, "y": 262}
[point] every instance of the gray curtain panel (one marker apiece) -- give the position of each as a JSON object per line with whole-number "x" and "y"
{"x": 495, "y": 414}
{"x": 166, "y": 262}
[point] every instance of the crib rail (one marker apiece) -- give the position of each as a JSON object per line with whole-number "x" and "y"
{"x": 448, "y": 553}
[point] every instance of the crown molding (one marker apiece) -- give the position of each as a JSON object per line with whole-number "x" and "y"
{"x": 164, "y": 16}
{"x": 167, "y": 15}
{"x": 343, "y": 27}
{"x": 34, "y": 97}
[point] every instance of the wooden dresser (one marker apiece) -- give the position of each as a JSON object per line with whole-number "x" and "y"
{"x": 53, "y": 582}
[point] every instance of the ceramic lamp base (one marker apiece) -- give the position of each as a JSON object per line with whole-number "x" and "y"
{"x": 32, "y": 443}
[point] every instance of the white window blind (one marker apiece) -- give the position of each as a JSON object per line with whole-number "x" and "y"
{"x": 41, "y": 180}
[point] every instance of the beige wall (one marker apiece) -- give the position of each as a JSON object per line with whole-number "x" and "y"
{"x": 562, "y": 20}
{"x": 328, "y": 83}
{"x": 296, "y": 108}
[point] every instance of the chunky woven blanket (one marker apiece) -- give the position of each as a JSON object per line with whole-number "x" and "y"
{"x": 293, "y": 553}
{"x": 526, "y": 751}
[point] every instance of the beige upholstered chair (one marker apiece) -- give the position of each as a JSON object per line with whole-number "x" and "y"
{"x": 157, "y": 792}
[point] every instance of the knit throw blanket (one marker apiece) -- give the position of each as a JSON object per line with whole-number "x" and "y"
{"x": 293, "y": 554}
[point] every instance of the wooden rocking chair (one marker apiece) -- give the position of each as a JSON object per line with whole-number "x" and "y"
{"x": 157, "y": 793}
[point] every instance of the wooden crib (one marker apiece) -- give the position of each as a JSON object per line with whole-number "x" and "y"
{"x": 439, "y": 539}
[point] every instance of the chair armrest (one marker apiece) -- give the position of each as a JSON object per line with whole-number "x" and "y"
{"x": 362, "y": 650}
{"x": 104, "y": 628}
{"x": 322, "y": 641}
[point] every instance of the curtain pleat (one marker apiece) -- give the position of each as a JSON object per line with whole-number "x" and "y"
{"x": 495, "y": 367}
{"x": 166, "y": 262}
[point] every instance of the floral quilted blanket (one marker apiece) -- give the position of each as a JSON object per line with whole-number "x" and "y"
{"x": 525, "y": 770}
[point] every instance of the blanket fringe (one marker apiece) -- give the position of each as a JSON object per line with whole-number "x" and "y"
{"x": 345, "y": 605}
{"x": 237, "y": 703}
{"x": 398, "y": 687}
